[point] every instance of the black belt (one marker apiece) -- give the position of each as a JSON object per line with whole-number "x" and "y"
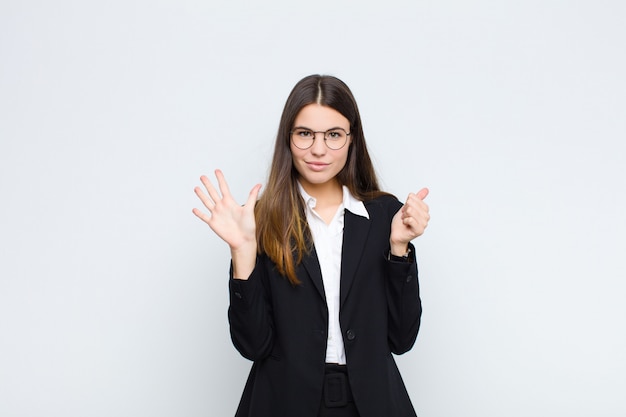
{"x": 337, "y": 392}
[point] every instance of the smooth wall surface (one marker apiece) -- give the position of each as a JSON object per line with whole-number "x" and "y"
{"x": 113, "y": 296}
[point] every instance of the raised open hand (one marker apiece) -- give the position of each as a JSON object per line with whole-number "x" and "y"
{"x": 409, "y": 222}
{"x": 232, "y": 222}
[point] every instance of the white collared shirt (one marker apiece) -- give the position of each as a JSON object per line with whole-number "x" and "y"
{"x": 328, "y": 241}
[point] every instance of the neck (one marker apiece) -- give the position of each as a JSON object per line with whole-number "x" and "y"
{"x": 329, "y": 193}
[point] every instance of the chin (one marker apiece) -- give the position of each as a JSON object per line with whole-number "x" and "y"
{"x": 315, "y": 180}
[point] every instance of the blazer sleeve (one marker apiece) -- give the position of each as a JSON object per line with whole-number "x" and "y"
{"x": 249, "y": 315}
{"x": 403, "y": 299}
{"x": 405, "y": 306}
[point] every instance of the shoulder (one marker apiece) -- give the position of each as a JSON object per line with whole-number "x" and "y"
{"x": 385, "y": 204}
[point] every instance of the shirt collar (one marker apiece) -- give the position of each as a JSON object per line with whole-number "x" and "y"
{"x": 350, "y": 203}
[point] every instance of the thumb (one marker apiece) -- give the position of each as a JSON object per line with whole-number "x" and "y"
{"x": 422, "y": 193}
{"x": 254, "y": 194}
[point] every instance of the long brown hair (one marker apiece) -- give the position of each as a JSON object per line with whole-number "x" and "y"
{"x": 282, "y": 231}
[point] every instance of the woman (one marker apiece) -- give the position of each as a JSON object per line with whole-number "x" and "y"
{"x": 323, "y": 281}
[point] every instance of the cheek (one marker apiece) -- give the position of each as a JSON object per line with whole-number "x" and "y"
{"x": 296, "y": 154}
{"x": 296, "y": 159}
{"x": 345, "y": 157}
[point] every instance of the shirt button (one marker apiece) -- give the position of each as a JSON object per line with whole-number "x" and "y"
{"x": 350, "y": 334}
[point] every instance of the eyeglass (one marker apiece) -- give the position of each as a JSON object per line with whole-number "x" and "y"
{"x": 334, "y": 139}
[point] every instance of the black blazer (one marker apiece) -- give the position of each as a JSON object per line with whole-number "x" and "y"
{"x": 283, "y": 328}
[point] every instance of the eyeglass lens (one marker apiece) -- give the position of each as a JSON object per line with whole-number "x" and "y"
{"x": 334, "y": 138}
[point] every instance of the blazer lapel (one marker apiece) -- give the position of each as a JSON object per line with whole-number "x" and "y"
{"x": 312, "y": 266}
{"x": 356, "y": 229}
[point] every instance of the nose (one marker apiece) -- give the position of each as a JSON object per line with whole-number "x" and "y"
{"x": 319, "y": 144}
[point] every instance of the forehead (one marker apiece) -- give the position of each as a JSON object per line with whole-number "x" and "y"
{"x": 318, "y": 117}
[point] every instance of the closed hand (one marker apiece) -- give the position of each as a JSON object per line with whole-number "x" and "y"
{"x": 410, "y": 221}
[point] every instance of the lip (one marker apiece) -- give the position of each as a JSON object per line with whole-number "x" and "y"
{"x": 316, "y": 166}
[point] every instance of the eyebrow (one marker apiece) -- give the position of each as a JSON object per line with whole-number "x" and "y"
{"x": 313, "y": 130}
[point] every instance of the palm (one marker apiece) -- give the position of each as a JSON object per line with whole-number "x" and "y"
{"x": 233, "y": 223}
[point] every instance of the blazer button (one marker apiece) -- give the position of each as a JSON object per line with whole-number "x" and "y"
{"x": 350, "y": 334}
{"x": 238, "y": 295}
{"x": 409, "y": 278}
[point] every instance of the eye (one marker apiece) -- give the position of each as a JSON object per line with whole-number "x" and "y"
{"x": 335, "y": 134}
{"x": 303, "y": 133}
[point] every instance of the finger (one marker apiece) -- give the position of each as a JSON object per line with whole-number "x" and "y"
{"x": 405, "y": 206}
{"x": 415, "y": 226}
{"x": 414, "y": 202}
{"x": 201, "y": 215}
{"x": 252, "y": 198}
{"x": 215, "y": 196}
{"x": 416, "y": 198}
{"x": 221, "y": 181}
{"x": 418, "y": 212}
{"x": 416, "y": 208}
{"x": 204, "y": 198}
{"x": 421, "y": 194}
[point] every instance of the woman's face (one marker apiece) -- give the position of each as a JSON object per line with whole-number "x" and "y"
{"x": 318, "y": 165}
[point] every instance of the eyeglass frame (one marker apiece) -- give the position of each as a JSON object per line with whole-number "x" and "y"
{"x": 314, "y": 132}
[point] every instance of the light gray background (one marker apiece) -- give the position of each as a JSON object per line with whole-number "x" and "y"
{"x": 113, "y": 296}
